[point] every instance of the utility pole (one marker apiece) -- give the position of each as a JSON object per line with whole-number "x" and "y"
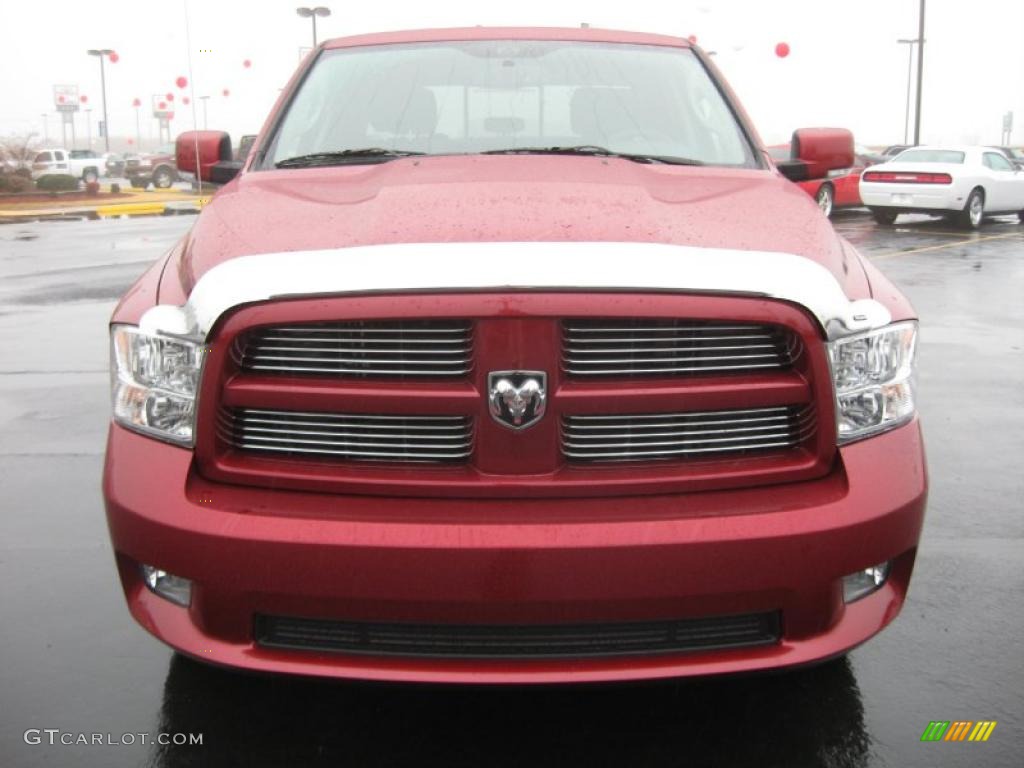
{"x": 920, "y": 73}
{"x": 88, "y": 128}
{"x": 46, "y": 129}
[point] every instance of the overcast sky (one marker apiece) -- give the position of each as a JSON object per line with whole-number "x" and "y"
{"x": 845, "y": 67}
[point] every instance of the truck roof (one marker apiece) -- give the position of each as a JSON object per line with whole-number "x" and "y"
{"x": 581, "y": 34}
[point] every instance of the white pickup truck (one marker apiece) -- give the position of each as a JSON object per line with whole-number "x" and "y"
{"x": 83, "y": 164}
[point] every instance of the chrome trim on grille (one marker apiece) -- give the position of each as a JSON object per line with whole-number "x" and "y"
{"x": 679, "y": 435}
{"x": 645, "y": 347}
{"x": 589, "y": 267}
{"x": 348, "y": 436}
{"x": 409, "y": 348}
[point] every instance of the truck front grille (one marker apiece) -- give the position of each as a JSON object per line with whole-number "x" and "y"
{"x": 681, "y": 435}
{"x": 349, "y": 436}
{"x": 655, "y": 347}
{"x": 519, "y": 641}
{"x": 651, "y": 394}
{"x": 405, "y": 349}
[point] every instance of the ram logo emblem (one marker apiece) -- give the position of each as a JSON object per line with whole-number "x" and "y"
{"x": 517, "y": 399}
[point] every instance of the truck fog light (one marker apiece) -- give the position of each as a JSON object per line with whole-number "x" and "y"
{"x": 863, "y": 583}
{"x": 167, "y": 585}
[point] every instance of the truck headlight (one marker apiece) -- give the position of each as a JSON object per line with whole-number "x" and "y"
{"x": 154, "y": 380}
{"x": 873, "y": 376}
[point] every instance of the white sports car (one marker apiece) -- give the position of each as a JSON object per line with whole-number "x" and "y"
{"x": 964, "y": 183}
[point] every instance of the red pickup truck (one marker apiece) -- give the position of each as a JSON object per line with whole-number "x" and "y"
{"x": 509, "y": 356}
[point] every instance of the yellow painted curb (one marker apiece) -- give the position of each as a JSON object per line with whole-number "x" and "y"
{"x": 130, "y": 209}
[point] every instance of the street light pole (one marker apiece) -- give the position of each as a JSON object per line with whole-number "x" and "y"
{"x": 46, "y": 129}
{"x": 101, "y": 53}
{"x": 910, "y": 68}
{"x": 920, "y": 74}
{"x": 88, "y": 128}
{"x": 312, "y": 13}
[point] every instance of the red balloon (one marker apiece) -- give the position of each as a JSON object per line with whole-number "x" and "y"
{"x": 84, "y": 99}
{"x": 114, "y": 57}
{"x": 247, "y": 63}
{"x": 136, "y": 103}
{"x": 186, "y": 100}
{"x": 162, "y": 105}
{"x": 130, "y": 142}
{"x": 60, "y": 99}
{"x": 226, "y": 93}
{"x": 181, "y": 82}
{"x": 170, "y": 115}
{"x": 169, "y": 96}
{"x": 782, "y": 50}
{"x": 692, "y": 39}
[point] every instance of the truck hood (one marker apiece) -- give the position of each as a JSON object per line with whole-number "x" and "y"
{"x": 508, "y": 199}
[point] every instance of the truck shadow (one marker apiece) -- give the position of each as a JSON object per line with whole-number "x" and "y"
{"x": 808, "y": 717}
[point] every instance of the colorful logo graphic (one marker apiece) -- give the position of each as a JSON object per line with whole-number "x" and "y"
{"x": 958, "y": 730}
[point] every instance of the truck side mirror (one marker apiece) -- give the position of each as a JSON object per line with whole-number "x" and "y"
{"x": 821, "y": 150}
{"x": 214, "y": 147}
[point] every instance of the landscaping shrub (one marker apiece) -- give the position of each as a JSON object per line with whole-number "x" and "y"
{"x": 15, "y": 183}
{"x": 57, "y": 183}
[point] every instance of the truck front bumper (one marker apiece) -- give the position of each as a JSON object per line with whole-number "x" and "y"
{"x": 524, "y": 562}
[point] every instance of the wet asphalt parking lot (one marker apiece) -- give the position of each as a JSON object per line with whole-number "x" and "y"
{"x": 73, "y": 659}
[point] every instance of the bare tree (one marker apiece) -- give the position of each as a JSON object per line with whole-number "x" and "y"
{"x": 17, "y": 150}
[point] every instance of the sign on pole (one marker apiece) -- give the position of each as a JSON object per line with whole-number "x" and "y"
{"x": 65, "y": 98}
{"x": 162, "y": 109}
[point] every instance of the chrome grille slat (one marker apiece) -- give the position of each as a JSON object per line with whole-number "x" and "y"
{"x": 737, "y": 348}
{"x": 342, "y": 361}
{"x": 633, "y": 371}
{"x": 662, "y": 339}
{"x": 362, "y": 350}
{"x": 738, "y": 413}
{"x": 348, "y": 436}
{"x": 357, "y": 371}
{"x": 351, "y": 416}
{"x": 372, "y": 349}
{"x": 677, "y": 435}
{"x": 651, "y": 347}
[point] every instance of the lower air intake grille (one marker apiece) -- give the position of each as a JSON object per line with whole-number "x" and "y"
{"x": 699, "y": 434}
{"x": 503, "y": 641}
{"x": 349, "y": 436}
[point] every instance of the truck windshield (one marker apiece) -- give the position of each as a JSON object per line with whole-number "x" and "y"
{"x": 375, "y": 103}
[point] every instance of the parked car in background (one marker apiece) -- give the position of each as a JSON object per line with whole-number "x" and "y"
{"x": 894, "y": 149}
{"x": 1014, "y": 154}
{"x": 965, "y": 184}
{"x": 867, "y": 156}
{"x": 114, "y": 164}
{"x": 82, "y": 164}
{"x": 839, "y": 189}
{"x": 156, "y": 168}
{"x": 508, "y": 356}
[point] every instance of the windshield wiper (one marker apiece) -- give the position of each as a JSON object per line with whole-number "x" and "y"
{"x": 593, "y": 150}
{"x": 341, "y": 156}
